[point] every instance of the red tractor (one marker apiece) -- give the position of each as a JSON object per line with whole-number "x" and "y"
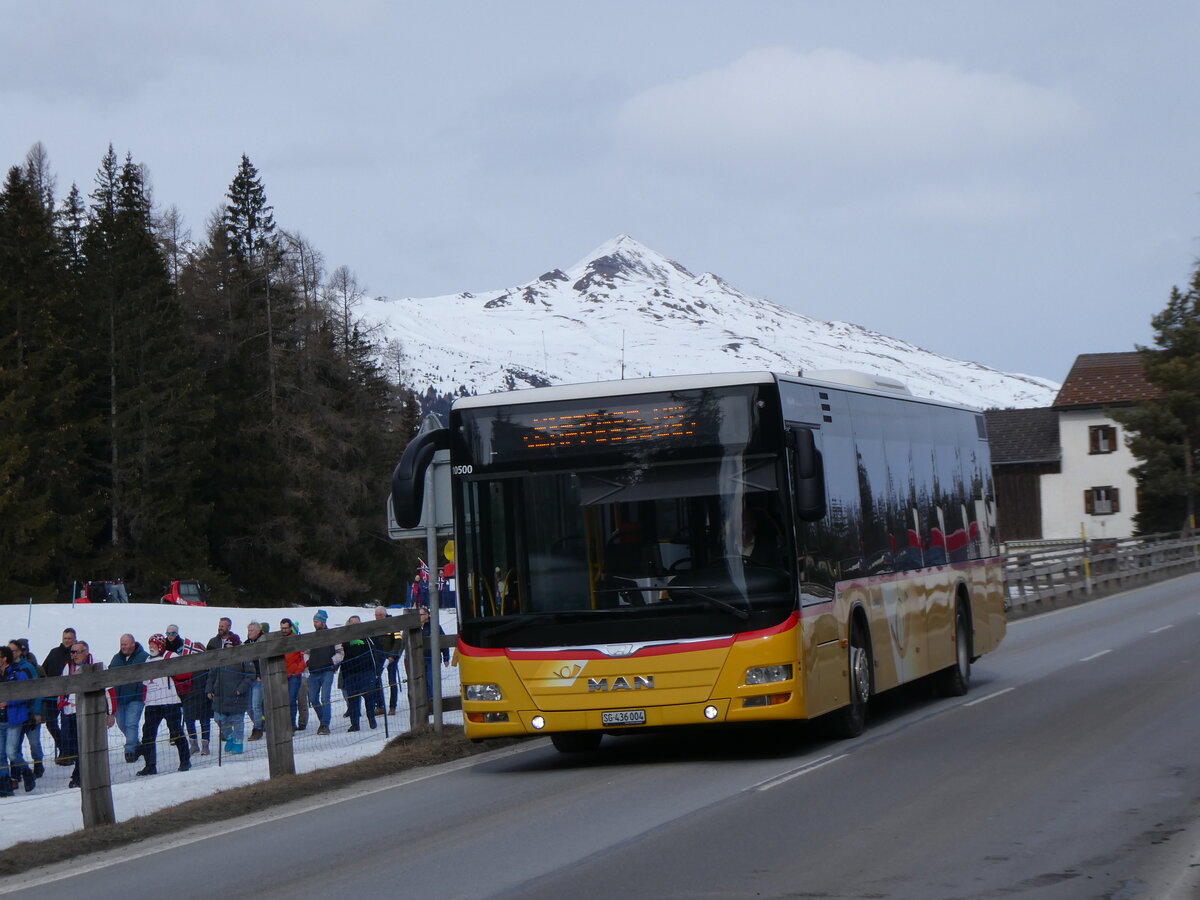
{"x": 185, "y": 593}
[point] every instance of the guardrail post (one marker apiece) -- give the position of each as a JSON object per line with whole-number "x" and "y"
{"x": 277, "y": 711}
{"x": 94, "y": 776}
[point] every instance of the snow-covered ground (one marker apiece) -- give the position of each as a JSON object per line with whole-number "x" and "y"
{"x": 53, "y": 809}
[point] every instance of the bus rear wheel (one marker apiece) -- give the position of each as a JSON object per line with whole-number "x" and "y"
{"x": 851, "y": 720}
{"x": 576, "y": 741}
{"x": 955, "y": 680}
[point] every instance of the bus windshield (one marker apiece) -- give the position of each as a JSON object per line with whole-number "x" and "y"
{"x": 575, "y": 553}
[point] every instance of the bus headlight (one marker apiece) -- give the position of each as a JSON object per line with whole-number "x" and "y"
{"x": 482, "y": 692}
{"x": 768, "y": 674}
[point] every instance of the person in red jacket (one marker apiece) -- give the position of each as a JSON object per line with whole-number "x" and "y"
{"x": 294, "y": 665}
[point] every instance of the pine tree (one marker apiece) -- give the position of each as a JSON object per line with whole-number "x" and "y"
{"x": 1165, "y": 431}
{"x": 43, "y": 501}
{"x": 154, "y": 435}
{"x": 235, "y": 286}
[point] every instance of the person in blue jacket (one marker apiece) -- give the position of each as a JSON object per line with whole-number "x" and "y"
{"x": 25, "y": 660}
{"x": 128, "y": 700}
{"x": 13, "y": 716}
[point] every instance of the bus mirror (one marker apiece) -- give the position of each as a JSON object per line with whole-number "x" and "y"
{"x": 408, "y": 481}
{"x": 810, "y": 476}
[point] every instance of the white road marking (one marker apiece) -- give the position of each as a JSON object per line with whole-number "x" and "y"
{"x": 803, "y": 770}
{"x": 1095, "y": 655}
{"x": 989, "y": 697}
{"x": 1164, "y": 628}
{"x": 87, "y": 865}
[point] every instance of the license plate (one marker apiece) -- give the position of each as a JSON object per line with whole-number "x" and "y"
{"x": 623, "y": 717}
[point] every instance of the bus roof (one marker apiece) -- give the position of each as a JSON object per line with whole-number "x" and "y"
{"x": 591, "y": 389}
{"x": 835, "y": 378}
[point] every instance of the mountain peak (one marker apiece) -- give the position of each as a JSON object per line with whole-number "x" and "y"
{"x": 616, "y": 312}
{"x": 624, "y": 258}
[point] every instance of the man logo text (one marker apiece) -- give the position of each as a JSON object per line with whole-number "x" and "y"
{"x": 621, "y": 683}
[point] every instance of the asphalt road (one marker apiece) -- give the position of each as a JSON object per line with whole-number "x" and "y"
{"x": 1071, "y": 770}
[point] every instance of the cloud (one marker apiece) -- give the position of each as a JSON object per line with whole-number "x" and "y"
{"x": 829, "y": 109}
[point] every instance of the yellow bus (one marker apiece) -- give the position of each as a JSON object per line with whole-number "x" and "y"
{"x": 745, "y": 547}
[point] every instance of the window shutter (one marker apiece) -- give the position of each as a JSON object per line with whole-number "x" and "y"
{"x": 1115, "y": 494}
{"x": 1088, "y": 502}
{"x": 1093, "y": 441}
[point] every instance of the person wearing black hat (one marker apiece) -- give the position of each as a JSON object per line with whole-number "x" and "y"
{"x": 54, "y": 664}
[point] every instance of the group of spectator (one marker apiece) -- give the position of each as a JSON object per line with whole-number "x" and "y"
{"x": 187, "y": 703}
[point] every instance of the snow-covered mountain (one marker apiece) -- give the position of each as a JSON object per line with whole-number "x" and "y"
{"x": 626, "y": 311}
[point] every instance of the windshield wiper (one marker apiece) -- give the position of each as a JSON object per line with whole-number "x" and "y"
{"x": 717, "y": 603}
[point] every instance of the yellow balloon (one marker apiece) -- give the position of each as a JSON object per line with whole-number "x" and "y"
{"x": 448, "y": 551}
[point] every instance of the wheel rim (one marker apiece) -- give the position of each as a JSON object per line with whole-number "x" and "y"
{"x": 860, "y": 674}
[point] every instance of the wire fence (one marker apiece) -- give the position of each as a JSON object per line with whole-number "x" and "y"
{"x": 206, "y": 749}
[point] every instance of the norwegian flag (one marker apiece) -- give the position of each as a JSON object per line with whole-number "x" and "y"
{"x": 424, "y": 569}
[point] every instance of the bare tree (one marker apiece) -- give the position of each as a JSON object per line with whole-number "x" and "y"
{"x": 175, "y": 238}
{"x": 37, "y": 170}
{"x": 343, "y": 295}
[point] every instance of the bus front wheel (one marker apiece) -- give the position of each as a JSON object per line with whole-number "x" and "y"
{"x": 576, "y": 741}
{"x": 851, "y": 720}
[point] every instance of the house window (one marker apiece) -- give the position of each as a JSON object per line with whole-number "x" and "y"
{"x": 1102, "y": 501}
{"x": 1102, "y": 439}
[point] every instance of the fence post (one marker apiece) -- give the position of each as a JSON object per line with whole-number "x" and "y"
{"x": 414, "y": 662}
{"x": 278, "y": 714}
{"x": 94, "y": 776}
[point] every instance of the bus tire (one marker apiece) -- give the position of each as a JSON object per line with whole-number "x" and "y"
{"x": 851, "y": 720}
{"x": 955, "y": 680}
{"x": 576, "y": 741}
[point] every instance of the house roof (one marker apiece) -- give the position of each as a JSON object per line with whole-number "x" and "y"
{"x": 1023, "y": 435}
{"x": 1105, "y": 379}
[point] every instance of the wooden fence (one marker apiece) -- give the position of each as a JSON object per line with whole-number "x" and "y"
{"x": 1037, "y": 578}
{"x": 91, "y": 682}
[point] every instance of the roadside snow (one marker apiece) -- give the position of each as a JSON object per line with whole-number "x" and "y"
{"x": 53, "y": 809}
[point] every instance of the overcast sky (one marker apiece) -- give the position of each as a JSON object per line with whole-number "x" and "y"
{"x": 1011, "y": 182}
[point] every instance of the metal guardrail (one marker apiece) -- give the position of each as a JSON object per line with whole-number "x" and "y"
{"x": 1046, "y": 577}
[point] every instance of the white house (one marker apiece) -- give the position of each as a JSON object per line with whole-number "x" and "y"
{"x": 1094, "y": 495}
{"x": 1062, "y": 472}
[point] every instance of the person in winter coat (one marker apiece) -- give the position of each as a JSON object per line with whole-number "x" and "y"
{"x": 224, "y": 633}
{"x": 322, "y": 663}
{"x": 162, "y": 705}
{"x": 68, "y": 718}
{"x": 13, "y": 714}
{"x": 445, "y": 652}
{"x": 193, "y": 693}
{"x": 229, "y": 689}
{"x": 361, "y": 682}
{"x": 254, "y": 634}
{"x": 128, "y": 700}
{"x": 24, "y": 659}
{"x": 295, "y": 667}
{"x": 53, "y": 665}
{"x": 390, "y": 647}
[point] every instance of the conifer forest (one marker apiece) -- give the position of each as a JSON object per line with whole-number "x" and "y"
{"x": 178, "y": 406}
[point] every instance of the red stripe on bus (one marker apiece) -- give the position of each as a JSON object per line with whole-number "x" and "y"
{"x": 657, "y": 650}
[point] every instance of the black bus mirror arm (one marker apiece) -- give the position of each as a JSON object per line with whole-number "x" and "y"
{"x": 408, "y": 480}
